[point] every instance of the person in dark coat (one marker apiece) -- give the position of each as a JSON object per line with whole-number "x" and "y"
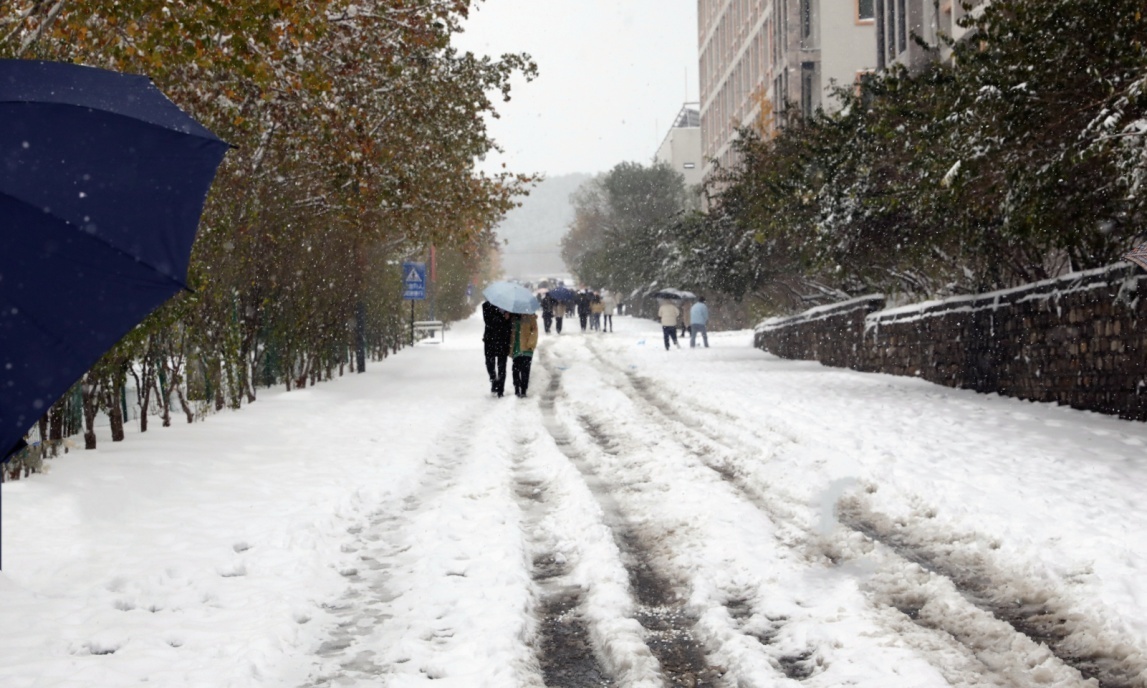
{"x": 559, "y": 314}
{"x": 582, "y": 301}
{"x": 496, "y": 339}
{"x": 547, "y": 311}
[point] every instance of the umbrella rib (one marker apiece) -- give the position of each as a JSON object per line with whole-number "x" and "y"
{"x": 46, "y": 330}
{"x": 197, "y": 131}
{"x": 178, "y": 282}
{"x": 94, "y": 237}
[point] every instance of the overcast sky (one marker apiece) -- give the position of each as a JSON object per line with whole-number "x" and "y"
{"x": 612, "y": 76}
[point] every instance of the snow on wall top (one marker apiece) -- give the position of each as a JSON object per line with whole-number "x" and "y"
{"x": 1053, "y": 288}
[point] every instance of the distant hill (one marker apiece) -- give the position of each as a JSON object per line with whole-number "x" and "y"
{"x": 533, "y": 232}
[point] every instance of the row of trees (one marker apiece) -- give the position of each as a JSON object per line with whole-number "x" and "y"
{"x": 356, "y": 128}
{"x": 618, "y": 235}
{"x": 1023, "y": 157}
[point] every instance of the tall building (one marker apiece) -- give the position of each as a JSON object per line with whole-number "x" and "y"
{"x": 681, "y": 148}
{"x": 759, "y": 58}
{"x": 898, "y": 22}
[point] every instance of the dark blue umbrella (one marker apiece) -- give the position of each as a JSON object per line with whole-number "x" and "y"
{"x": 563, "y": 294}
{"x": 102, "y": 182}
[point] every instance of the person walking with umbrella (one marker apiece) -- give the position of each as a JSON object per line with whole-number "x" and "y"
{"x": 496, "y": 341}
{"x": 686, "y": 322}
{"x": 547, "y": 311}
{"x": 669, "y": 313}
{"x": 525, "y": 340}
{"x": 582, "y": 303}
{"x": 503, "y": 299}
{"x": 563, "y": 298}
{"x": 559, "y": 315}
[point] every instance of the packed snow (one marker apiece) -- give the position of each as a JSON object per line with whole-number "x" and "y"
{"x": 719, "y": 515}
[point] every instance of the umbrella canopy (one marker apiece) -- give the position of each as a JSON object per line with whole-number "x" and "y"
{"x": 676, "y": 294}
{"x": 563, "y": 294}
{"x": 511, "y": 297}
{"x": 1138, "y": 255}
{"x": 102, "y": 182}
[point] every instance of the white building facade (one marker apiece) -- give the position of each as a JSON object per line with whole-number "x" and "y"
{"x": 681, "y": 148}
{"x": 758, "y": 58}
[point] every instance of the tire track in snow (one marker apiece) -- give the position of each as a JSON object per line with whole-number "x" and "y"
{"x": 1036, "y": 613}
{"x": 1030, "y": 609}
{"x": 928, "y": 605}
{"x": 565, "y": 650}
{"x": 660, "y": 611}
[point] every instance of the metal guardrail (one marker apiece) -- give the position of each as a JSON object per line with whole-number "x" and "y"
{"x": 429, "y": 328}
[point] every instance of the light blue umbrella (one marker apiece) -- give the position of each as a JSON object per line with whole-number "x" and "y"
{"x": 511, "y": 297}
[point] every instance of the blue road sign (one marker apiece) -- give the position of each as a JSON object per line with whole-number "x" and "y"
{"x": 414, "y": 281}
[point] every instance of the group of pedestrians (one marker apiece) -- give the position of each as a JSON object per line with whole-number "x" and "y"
{"x": 508, "y": 335}
{"x": 594, "y": 311}
{"x": 599, "y": 308}
{"x": 514, "y": 336}
{"x": 553, "y": 311}
{"x": 694, "y": 320}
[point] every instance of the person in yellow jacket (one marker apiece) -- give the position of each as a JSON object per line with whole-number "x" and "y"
{"x": 525, "y": 340}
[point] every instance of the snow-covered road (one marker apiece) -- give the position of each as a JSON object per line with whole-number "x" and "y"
{"x": 708, "y": 517}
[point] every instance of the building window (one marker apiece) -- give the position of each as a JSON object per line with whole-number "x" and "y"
{"x": 776, "y": 27}
{"x": 808, "y": 86}
{"x": 902, "y": 30}
{"x": 806, "y": 19}
{"x": 890, "y": 29}
{"x": 881, "y": 60}
{"x": 865, "y": 10}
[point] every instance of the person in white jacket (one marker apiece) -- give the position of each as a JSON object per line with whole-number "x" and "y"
{"x": 610, "y": 302}
{"x": 668, "y": 313}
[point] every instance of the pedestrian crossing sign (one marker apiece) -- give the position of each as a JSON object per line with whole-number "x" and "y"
{"x": 413, "y": 281}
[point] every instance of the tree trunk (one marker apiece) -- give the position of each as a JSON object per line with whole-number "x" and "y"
{"x": 56, "y": 416}
{"x": 91, "y": 395}
{"x": 115, "y": 410}
{"x": 44, "y": 443}
{"x": 360, "y": 335}
{"x": 144, "y": 386}
{"x": 303, "y": 372}
{"x": 220, "y": 399}
{"x": 177, "y": 385}
{"x": 250, "y": 367}
{"x": 183, "y": 402}
{"x": 164, "y": 401}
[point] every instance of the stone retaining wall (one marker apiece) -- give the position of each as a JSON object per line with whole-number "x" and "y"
{"x": 1079, "y": 340}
